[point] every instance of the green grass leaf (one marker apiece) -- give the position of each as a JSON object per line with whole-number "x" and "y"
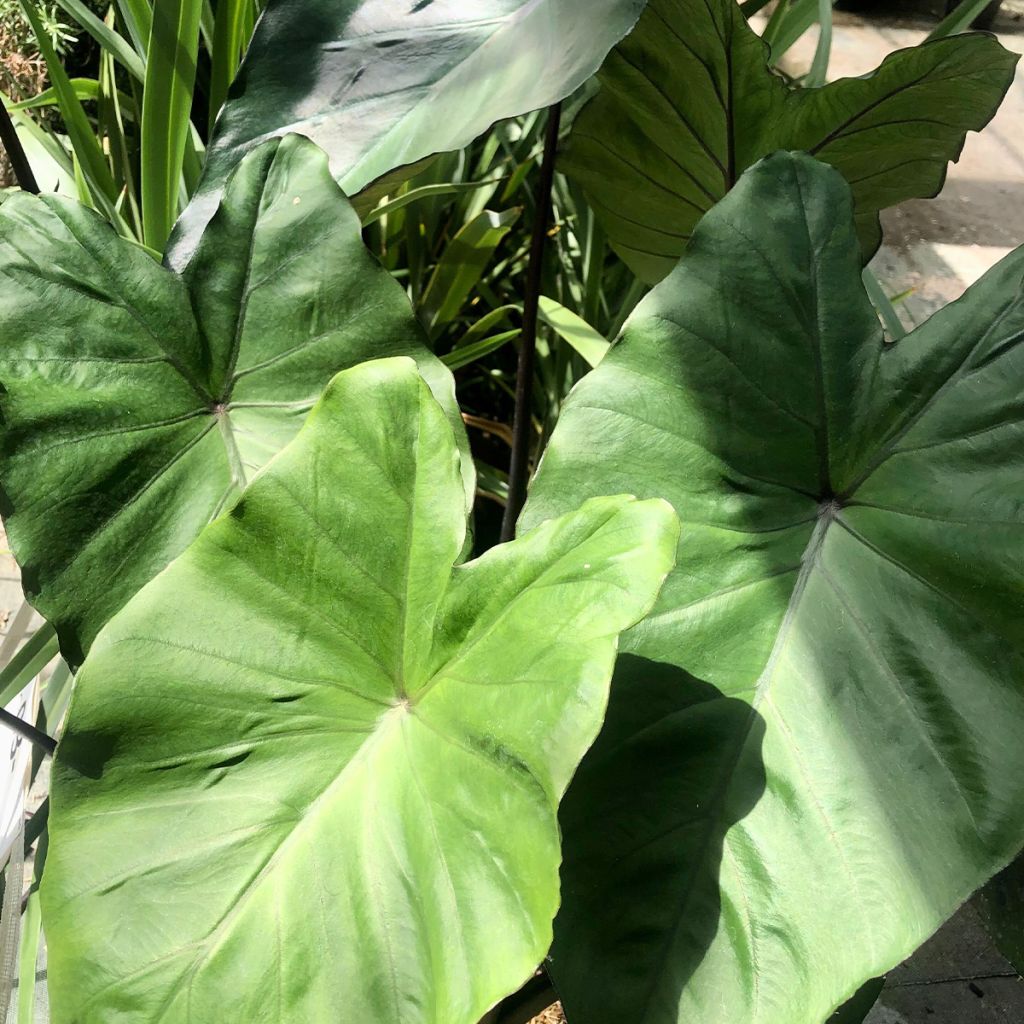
{"x": 232, "y": 27}
{"x": 574, "y": 330}
{"x": 462, "y": 264}
{"x": 108, "y": 38}
{"x": 466, "y": 354}
{"x": 90, "y": 159}
{"x": 166, "y": 113}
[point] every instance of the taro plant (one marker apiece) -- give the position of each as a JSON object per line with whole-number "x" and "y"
{"x": 688, "y": 103}
{"x": 321, "y": 730}
{"x": 139, "y": 402}
{"x": 355, "y": 744}
{"x": 829, "y": 686}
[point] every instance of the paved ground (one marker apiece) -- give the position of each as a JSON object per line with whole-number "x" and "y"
{"x": 938, "y": 247}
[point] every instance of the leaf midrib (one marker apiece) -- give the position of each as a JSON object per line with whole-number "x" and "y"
{"x": 718, "y": 798}
{"x": 828, "y": 514}
{"x": 310, "y": 815}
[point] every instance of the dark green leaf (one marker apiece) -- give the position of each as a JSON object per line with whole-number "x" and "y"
{"x": 312, "y": 770}
{"x": 814, "y": 755}
{"x": 136, "y": 401}
{"x": 382, "y": 85}
{"x": 687, "y": 103}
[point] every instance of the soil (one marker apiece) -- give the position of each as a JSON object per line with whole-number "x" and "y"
{"x": 552, "y": 1015}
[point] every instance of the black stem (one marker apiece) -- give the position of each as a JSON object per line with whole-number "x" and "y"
{"x": 16, "y": 152}
{"x": 522, "y": 423}
{"x": 45, "y": 743}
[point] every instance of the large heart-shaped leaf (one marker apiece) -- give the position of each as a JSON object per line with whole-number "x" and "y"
{"x": 850, "y": 571}
{"x": 687, "y": 102}
{"x": 135, "y": 401}
{"x": 381, "y": 83}
{"x": 312, "y": 771}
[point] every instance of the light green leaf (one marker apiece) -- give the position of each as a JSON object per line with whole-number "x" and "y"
{"x": 321, "y": 764}
{"x": 166, "y": 113}
{"x": 466, "y": 354}
{"x": 462, "y": 264}
{"x": 687, "y": 103}
{"x": 574, "y": 330}
{"x": 813, "y": 755}
{"x": 382, "y": 85}
{"x": 136, "y": 401}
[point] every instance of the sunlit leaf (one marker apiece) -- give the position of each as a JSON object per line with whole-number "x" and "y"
{"x": 312, "y": 768}
{"x": 381, "y": 85}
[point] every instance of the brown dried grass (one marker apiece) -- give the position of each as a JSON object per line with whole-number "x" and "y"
{"x": 21, "y": 76}
{"x": 552, "y": 1015}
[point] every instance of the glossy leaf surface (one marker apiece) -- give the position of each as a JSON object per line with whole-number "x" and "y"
{"x": 381, "y": 84}
{"x": 136, "y": 401}
{"x": 687, "y": 102}
{"x": 813, "y": 754}
{"x": 315, "y": 767}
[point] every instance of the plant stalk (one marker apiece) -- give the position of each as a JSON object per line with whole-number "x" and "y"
{"x": 16, "y": 153}
{"x": 45, "y": 743}
{"x": 519, "y": 465}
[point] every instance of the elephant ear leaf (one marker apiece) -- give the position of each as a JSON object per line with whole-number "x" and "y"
{"x": 812, "y": 755}
{"x": 137, "y": 402}
{"x": 322, "y": 764}
{"x": 687, "y": 103}
{"x": 382, "y": 85}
